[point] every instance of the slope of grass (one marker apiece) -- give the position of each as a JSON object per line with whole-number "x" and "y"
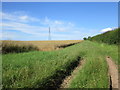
{"x": 36, "y": 69}
{"x": 110, "y": 37}
{"x": 111, "y": 50}
{"x": 94, "y": 72}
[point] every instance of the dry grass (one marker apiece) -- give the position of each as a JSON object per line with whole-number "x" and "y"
{"x": 9, "y": 46}
{"x": 51, "y": 45}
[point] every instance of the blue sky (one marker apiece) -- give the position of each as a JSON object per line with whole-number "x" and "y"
{"x": 68, "y": 21}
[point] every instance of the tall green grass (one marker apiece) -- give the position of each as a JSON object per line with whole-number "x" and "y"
{"x": 95, "y": 71}
{"x": 33, "y": 69}
{"x": 110, "y": 37}
{"x": 17, "y": 47}
{"x": 36, "y": 69}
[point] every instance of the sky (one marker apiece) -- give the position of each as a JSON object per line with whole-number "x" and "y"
{"x": 67, "y": 20}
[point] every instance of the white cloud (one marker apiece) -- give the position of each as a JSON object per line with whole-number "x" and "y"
{"x": 53, "y": 23}
{"x": 106, "y": 29}
{"x": 15, "y": 22}
{"x": 17, "y": 17}
{"x": 25, "y": 28}
{"x": 23, "y": 17}
{"x": 38, "y": 31}
{"x": 59, "y": 29}
{"x": 58, "y": 22}
{"x": 34, "y": 30}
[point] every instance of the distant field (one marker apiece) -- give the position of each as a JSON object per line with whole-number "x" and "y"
{"x": 51, "y": 45}
{"x": 44, "y": 45}
{"x": 9, "y": 46}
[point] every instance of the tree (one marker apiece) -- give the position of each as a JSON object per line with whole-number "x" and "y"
{"x": 85, "y": 38}
{"x": 89, "y": 37}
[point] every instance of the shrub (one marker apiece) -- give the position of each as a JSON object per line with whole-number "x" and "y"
{"x": 85, "y": 38}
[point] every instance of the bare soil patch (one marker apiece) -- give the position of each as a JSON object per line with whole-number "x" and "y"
{"x": 68, "y": 79}
{"x": 113, "y": 73}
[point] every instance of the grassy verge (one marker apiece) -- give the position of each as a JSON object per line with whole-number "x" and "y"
{"x": 94, "y": 73}
{"x": 34, "y": 69}
{"x": 38, "y": 69}
{"x": 110, "y": 37}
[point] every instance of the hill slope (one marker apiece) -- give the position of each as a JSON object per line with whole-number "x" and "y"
{"x": 38, "y": 69}
{"x": 110, "y": 37}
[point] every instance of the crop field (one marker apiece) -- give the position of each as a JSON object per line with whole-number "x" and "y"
{"x": 40, "y": 45}
{"x": 43, "y": 69}
{"x": 16, "y": 47}
{"x": 51, "y": 45}
{"x": 59, "y": 45}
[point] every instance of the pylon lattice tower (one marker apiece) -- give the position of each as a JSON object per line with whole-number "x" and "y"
{"x": 49, "y": 37}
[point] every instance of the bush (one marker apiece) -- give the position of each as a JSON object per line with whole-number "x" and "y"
{"x": 85, "y": 38}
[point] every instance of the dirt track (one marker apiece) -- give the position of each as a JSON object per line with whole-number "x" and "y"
{"x": 113, "y": 73}
{"x": 67, "y": 80}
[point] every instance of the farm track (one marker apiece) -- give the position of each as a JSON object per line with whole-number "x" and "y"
{"x": 113, "y": 73}
{"x": 68, "y": 79}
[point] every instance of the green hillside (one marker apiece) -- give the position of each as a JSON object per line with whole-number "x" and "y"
{"x": 110, "y": 37}
{"x": 38, "y": 69}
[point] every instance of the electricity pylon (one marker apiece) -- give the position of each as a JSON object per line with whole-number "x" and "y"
{"x": 49, "y": 37}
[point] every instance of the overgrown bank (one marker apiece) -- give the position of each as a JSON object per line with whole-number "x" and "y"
{"x": 37, "y": 69}
{"x": 33, "y": 69}
{"x": 110, "y": 37}
{"x": 94, "y": 74}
